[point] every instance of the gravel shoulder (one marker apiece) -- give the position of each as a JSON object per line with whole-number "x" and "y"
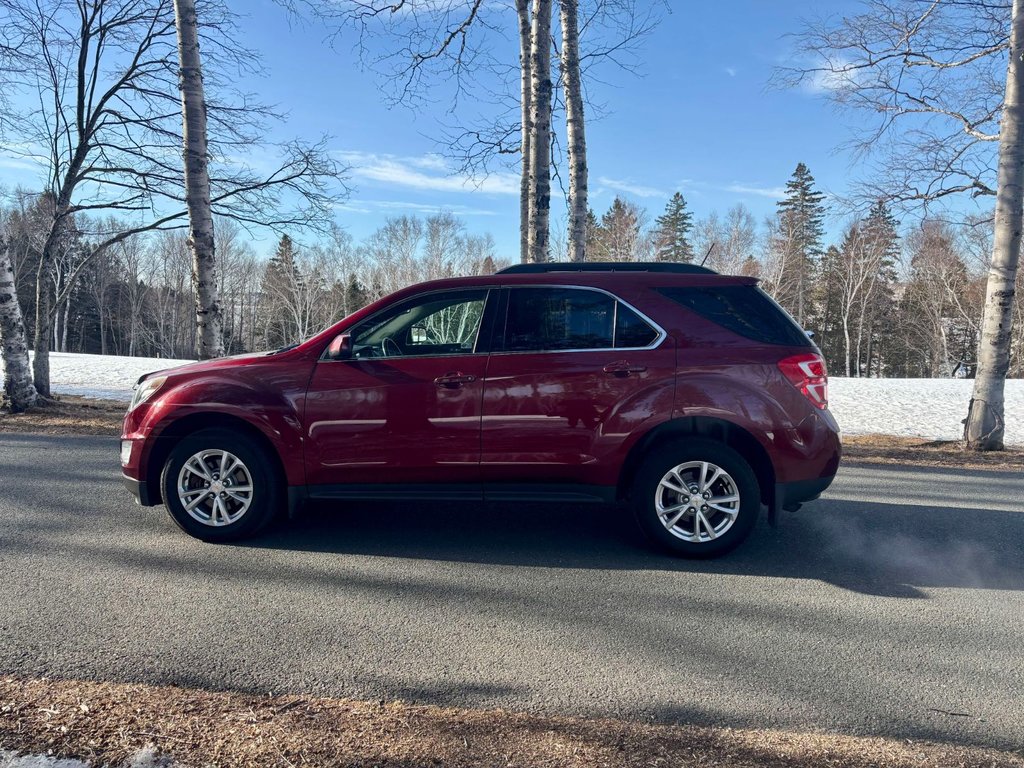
{"x": 107, "y": 723}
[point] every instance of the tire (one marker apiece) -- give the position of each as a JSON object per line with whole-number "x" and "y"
{"x": 656, "y": 504}
{"x": 240, "y": 513}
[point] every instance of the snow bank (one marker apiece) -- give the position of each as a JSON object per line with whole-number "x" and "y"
{"x": 929, "y": 408}
{"x": 105, "y": 377}
{"x": 144, "y": 758}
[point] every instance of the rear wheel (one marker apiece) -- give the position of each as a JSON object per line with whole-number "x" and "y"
{"x": 219, "y": 485}
{"x": 696, "y": 498}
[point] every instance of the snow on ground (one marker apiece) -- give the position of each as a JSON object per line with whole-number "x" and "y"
{"x": 144, "y": 758}
{"x": 105, "y": 377}
{"x": 929, "y": 408}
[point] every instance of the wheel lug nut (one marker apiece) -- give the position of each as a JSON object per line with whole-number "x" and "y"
{"x": 704, "y": 508}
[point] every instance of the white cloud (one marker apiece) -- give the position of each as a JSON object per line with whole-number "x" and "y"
{"x": 753, "y": 189}
{"x": 637, "y": 190}
{"x": 401, "y": 206}
{"x": 730, "y": 71}
{"x": 426, "y": 172}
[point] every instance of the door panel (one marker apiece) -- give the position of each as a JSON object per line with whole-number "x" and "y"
{"x": 570, "y": 416}
{"x": 559, "y": 417}
{"x": 406, "y": 407}
{"x": 390, "y": 420}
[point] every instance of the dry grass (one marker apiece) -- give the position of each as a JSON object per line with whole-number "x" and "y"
{"x": 106, "y": 723}
{"x": 928, "y": 453}
{"x": 68, "y": 416}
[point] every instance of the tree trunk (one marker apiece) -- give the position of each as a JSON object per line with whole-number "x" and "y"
{"x": 575, "y": 130}
{"x": 526, "y": 127}
{"x": 538, "y": 234}
{"x": 985, "y": 424}
{"x": 209, "y": 336}
{"x": 64, "y": 331}
{"x": 846, "y": 341}
{"x": 41, "y": 337}
{"x": 18, "y": 386}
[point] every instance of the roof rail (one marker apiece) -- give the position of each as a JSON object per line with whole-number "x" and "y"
{"x": 606, "y": 266}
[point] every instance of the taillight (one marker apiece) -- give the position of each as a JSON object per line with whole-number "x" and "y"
{"x": 807, "y": 373}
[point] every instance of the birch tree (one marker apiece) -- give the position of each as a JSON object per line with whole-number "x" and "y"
{"x": 538, "y": 232}
{"x": 209, "y": 323}
{"x": 525, "y": 116}
{"x": 19, "y": 390}
{"x": 985, "y": 425}
{"x": 575, "y": 129}
{"x": 100, "y": 115}
{"x": 945, "y": 107}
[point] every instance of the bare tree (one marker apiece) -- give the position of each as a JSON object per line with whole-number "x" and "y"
{"x": 575, "y": 129}
{"x": 209, "y": 324}
{"x": 106, "y": 123}
{"x": 525, "y": 112}
{"x": 984, "y": 427}
{"x": 447, "y": 46}
{"x": 934, "y": 74}
{"x": 18, "y": 388}
{"x": 539, "y": 204}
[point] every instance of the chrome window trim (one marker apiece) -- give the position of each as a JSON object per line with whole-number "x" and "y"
{"x": 662, "y": 334}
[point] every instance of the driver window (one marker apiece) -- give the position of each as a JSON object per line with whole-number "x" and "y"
{"x": 434, "y": 324}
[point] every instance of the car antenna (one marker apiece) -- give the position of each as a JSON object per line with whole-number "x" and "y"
{"x": 708, "y": 253}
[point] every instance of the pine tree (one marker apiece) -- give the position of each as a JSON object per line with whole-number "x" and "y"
{"x": 671, "y": 236}
{"x": 801, "y": 226}
{"x": 355, "y": 295}
{"x": 280, "y": 282}
{"x": 593, "y": 235}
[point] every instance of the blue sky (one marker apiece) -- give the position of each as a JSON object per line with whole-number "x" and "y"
{"x": 699, "y": 117}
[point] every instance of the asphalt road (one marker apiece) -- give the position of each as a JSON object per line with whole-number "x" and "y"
{"x": 893, "y": 606}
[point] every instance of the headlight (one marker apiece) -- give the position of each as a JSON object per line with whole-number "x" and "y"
{"x": 146, "y": 390}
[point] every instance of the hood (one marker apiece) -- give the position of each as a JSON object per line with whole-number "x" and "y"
{"x": 201, "y": 366}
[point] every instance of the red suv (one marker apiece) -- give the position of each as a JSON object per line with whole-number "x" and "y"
{"x": 690, "y": 394}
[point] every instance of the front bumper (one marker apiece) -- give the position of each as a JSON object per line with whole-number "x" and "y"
{"x": 140, "y": 490}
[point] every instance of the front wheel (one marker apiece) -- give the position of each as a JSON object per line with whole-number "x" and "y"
{"x": 219, "y": 485}
{"x": 696, "y": 498}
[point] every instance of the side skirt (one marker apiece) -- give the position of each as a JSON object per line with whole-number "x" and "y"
{"x": 465, "y": 492}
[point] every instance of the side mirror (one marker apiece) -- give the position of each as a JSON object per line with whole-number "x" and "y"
{"x": 340, "y": 347}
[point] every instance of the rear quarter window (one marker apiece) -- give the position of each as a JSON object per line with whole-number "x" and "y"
{"x": 742, "y": 309}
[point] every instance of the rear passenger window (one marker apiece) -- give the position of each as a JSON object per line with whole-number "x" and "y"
{"x": 742, "y": 309}
{"x": 558, "y": 318}
{"x": 631, "y": 330}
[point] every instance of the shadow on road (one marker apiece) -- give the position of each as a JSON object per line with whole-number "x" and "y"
{"x": 876, "y": 549}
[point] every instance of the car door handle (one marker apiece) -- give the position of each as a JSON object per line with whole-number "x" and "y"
{"x": 454, "y": 380}
{"x": 622, "y": 368}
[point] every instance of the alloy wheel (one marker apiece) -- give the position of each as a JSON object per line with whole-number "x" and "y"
{"x": 215, "y": 487}
{"x": 697, "y": 501}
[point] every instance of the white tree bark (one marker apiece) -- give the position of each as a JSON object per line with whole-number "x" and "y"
{"x": 538, "y": 229}
{"x": 985, "y": 424}
{"x": 526, "y": 126}
{"x": 575, "y": 130}
{"x": 18, "y": 386}
{"x": 209, "y": 323}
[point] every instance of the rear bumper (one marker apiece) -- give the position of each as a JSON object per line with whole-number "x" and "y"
{"x": 140, "y": 490}
{"x": 789, "y": 496}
